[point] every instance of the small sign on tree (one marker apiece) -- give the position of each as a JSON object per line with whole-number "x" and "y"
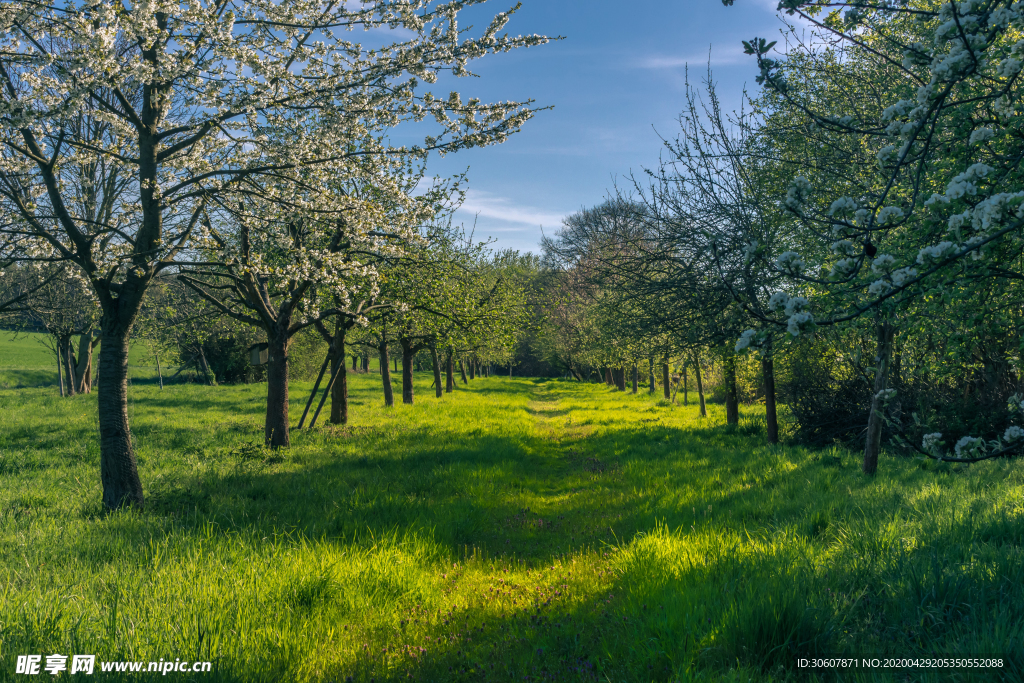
{"x": 259, "y": 354}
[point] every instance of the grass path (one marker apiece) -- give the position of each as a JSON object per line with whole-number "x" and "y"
{"x": 517, "y": 530}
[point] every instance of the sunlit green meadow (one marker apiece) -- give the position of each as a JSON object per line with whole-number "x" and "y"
{"x": 518, "y": 530}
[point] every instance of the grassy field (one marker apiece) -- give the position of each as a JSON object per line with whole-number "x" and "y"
{"x": 26, "y": 361}
{"x": 518, "y": 530}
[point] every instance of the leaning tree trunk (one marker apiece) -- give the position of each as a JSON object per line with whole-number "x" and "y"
{"x": 665, "y": 379}
{"x": 771, "y": 414}
{"x": 83, "y": 370}
{"x": 437, "y": 371}
{"x": 700, "y": 388}
{"x": 732, "y": 403}
{"x": 407, "y": 358}
{"x": 119, "y": 471}
{"x": 275, "y": 430}
{"x": 449, "y": 374}
{"x": 339, "y": 390}
{"x": 385, "y": 375}
{"x": 873, "y": 443}
{"x": 654, "y": 384}
{"x": 462, "y": 369}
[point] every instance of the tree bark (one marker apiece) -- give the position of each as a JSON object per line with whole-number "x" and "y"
{"x": 67, "y": 357}
{"x": 437, "y": 371}
{"x": 339, "y": 390}
{"x": 654, "y": 384}
{"x": 686, "y": 387}
{"x": 665, "y": 379}
{"x": 873, "y": 442}
{"x": 275, "y": 430}
{"x": 608, "y": 379}
{"x": 355, "y": 362}
{"x": 620, "y": 379}
{"x": 732, "y": 403}
{"x": 636, "y": 377}
{"x": 407, "y": 358}
{"x": 472, "y": 369}
{"x": 700, "y": 387}
{"x": 771, "y": 413}
{"x": 60, "y": 370}
{"x": 462, "y": 369}
{"x": 385, "y": 375}
{"x": 211, "y": 378}
{"x": 119, "y": 471}
{"x": 449, "y": 374}
{"x": 83, "y": 369}
{"x": 366, "y": 362}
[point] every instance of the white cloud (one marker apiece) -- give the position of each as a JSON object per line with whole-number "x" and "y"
{"x": 720, "y": 56}
{"x": 488, "y": 205}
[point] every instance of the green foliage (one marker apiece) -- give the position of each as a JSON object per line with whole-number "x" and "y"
{"x": 541, "y": 528}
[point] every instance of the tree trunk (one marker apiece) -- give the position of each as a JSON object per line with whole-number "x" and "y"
{"x": 275, "y": 430}
{"x": 211, "y": 378}
{"x": 437, "y": 371}
{"x": 83, "y": 370}
{"x": 407, "y": 358}
{"x": 665, "y": 379}
{"x": 449, "y": 374}
{"x": 159, "y": 372}
{"x": 472, "y": 369}
{"x": 771, "y": 414}
{"x": 636, "y": 377}
{"x": 686, "y": 387}
{"x": 60, "y": 369}
{"x": 651, "y": 370}
{"x": 366, "y": 362}
{"x": 620, "y": 379}
{"x": 119, "y": 471}
{"x": 67, "y": 357}
{"x": 700, "y": 387}
{"x": 608, "y": 377}
{"x": 396, "y": 365}
{"x": 873, "y": 442}
{"x": 385, "y": 375}
{"x": 339, "y": 390}
{"x": 355, "y": 362}
{"x": 732, "y": 403}
{"x": 462, "y": 369}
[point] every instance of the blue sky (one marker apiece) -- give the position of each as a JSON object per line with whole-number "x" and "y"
{"x": 616, "y": 82}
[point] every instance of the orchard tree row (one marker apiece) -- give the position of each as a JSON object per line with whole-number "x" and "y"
{"x": 858, "y": 225}
{"x": 242, "y": 156}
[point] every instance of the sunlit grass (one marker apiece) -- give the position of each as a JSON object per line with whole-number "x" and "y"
{"x": 516, "y": 530}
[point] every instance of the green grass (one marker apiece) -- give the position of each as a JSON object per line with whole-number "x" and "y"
{"x": 518, "y": 530}
{"x": 25, "y": 361}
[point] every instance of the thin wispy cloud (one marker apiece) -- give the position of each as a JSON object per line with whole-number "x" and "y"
{"x": 718, "y": 56}
{"x": 488, "y": 205}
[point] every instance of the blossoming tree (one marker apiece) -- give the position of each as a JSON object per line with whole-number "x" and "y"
{"x": 198, "y": 106}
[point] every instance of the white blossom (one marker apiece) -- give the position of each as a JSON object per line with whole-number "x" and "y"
{"x": 745, "y": 340}
{"x": 800, "y": 322}
{"x": 790, "y": 262}
{"x": 1013, "y": 433}
{"x": 795, "y": 305}
{"x": 883, "y": 263}
{"x": 931, "y": 441}
{"x": 777, "y": 300}
{"x": 969, "y": 446}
